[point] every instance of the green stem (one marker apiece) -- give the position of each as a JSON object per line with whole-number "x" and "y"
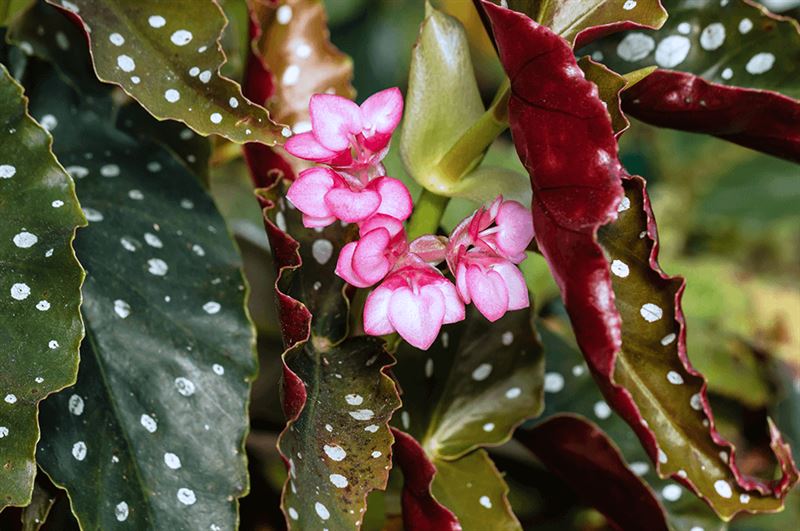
{"x": 466, "y": 153}
{"x": 428, "y": 212}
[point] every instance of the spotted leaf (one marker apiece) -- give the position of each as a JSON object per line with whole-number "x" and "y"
{"x": 471, "y": 389}
{"x": 293, "y": 41}
{"x": 159, "y": 413}
{"x": 168, "y": 56}
{"x": 336, "y": 395}
{"x": 581, "y": 21}
{"x": 40, "y": 319}
{"x": 731, "y": 69}
{"x": 594, "y": 226}
{"x": 602, "y": 433}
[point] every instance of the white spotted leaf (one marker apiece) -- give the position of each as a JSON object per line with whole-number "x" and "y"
{"x": 167, "y": 55}
{"x": 167, "y": 363}
{"x": 336, "y": 393}
{"x": 736, "y": 43}
{"x": 580, "y": 21}
{"x": 471, "y": 389}
{"x": 40, "y": 280}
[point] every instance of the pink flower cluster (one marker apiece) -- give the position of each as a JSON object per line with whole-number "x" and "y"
{"x": 414, "y": 298}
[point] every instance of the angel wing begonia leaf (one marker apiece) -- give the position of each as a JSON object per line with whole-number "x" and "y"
{"x": 459, "y": 395}
{"x": 40, "y": 277}
{"x": 582, "y": 21}
{"x": 729, "y": 70}
{"x": 168, "y": 56}
{"x": 631, "y": 328}
{"x": 336, "y": 395}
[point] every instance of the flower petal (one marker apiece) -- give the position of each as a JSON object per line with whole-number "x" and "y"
{"x": 369, "y": 260}
{"x": 344, "y": 267}
{"x": 333, "y": 120}
{"x": 515, "y": 284}
{"x": 351, "y": 206}
{"x": 382, "y": 111}
{"x": 461, "y": 283}
{"x": 311, "y": 222}
{"x": 489, "y": 292}
{"x": 516, "y": 230}
{"x": 395, "y": 198}
{"x": 417, "y": 317}
{"x": 454, "y": 310}
{"x": 393, "y": 225}
{"x": 305, "y": 146}
{"x": 307, "y": 192}
{"x": 376, "y": 312}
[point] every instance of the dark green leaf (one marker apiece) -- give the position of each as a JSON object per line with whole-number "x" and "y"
{"x": 471, "y": 389}
{"x": 40, "y": 324}
{"x": 338, "y": 399}
{"x": 168, "y": 56}
{"x": 734, "y": 43}
{"x": 159, "y": 413}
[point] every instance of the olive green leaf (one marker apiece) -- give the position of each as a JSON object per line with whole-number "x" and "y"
{"x": 653, "y": 367}
{"x": 732, "y": 43}
{"x": 158, "y": 416}
{"x": 335, "y": 392}
{"x": 471, "y": 389}
{"x": 167, "y": 55}
{"x": 569, "y": 18}
{"x": 40, "y": 279}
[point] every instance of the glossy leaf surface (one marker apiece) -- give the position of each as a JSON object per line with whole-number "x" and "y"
{"x": 583, "y": 21}
{"x": 336, "y": 395}
{"x": 631, "y": 328}
{"x": 461, "y": 395}
{"x": 168, "y": 56}
{"x": 40, "y": 323}
{"x": 159, "y": 414}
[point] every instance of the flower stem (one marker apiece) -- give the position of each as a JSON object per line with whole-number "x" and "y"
{"x": 468, "y": 150}
{"x": 428, "y": 212}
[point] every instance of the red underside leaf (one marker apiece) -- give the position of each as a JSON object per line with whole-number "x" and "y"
{"x": 564, "y": 137}
{"x": 758, "y": 119}
{"x": 582, "y": 456}
{"x": 421, "y": 512}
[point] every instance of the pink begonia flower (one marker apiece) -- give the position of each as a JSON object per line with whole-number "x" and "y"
{"x": 345, "y": 135}
{"x": 323, "y": 196}
{"x": 364, "y": 262}
{"x": 483, "y": 252}
{"x": 415, "y": 300}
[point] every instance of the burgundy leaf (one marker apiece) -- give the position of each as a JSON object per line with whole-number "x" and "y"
{"x": 758, "y": 119}
{"x": 421, "y": 512}
{"x": 583, "y": 457}
{"x": 631, "y": 331}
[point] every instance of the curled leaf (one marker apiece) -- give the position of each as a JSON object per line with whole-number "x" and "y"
{"x": 40, "y": 282}
{"x": 168, "y": 56}
{"x": 594, "y": 226}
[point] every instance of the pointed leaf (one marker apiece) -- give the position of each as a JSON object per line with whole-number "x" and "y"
{"x": 581, "y": 21}
{"x": 473, "y": 386}
{"x": 420, "y": 510}
{"x": 40, "y": 278}
{"x": 293, "y": 41}
{"x": 471, "y": 389}
{"x": 442, "y": 103}
{"x": 734, "y": 72}
{"x": 168, "y": 56}
{"x": 159, "y": 413}
{"x": 336, "y": 394}
{"x": 630, "y": 329}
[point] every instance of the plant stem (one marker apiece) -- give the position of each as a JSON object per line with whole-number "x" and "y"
{"x": 467, "y": 152}
{"x": 428, "y": 212}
